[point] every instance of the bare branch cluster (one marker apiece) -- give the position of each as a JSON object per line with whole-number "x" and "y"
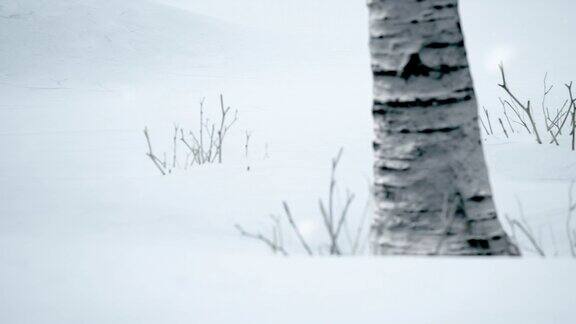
{"x": 336, "y": 222}
{"x": 275, "y": 242}
{"x": 525, "y": 107}
{"x": 521, "y": 230}
{"x": 521, "y": 226}
{"x": 333, "y": 223}
{"x": 555, "y": 120}
{"x": 205, "y": 145}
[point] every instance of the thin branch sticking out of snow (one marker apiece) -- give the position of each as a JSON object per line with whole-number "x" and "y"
{"x": 205, "y": 145}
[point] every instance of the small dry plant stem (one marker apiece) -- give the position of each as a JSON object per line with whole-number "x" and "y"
{"x": 157, "y": 162}
{"x": 274, "y": 244}
{"x": 483, "y": 125}
{"x": 545, "y": 110}
{"x": 524, "y": 228}
{"x": 506, "y": 115}
{"x": 296, "y": 229}
{"x": 203, "y": 146}
{"x": 525, "y": 107}
{"x": 503, "y": 128}
{"x": 248, "y": 135}
{"x": 488, "y": 119}
{"x": 563, "y": 115}
{"x": 573, "y": 110}
{"x": 223, "y": 126}
{"x": 334, "y": 222}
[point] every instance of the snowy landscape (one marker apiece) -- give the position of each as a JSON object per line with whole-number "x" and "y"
{"x": 92, "y": 232}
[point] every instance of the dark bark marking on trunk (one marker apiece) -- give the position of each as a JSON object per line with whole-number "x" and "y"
{"x": 419, "y": 103}
{"x": 429, "y": 130}
{"x": 415, "y": 68}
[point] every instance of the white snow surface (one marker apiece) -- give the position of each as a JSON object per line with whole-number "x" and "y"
{"x": 91, "y": 233}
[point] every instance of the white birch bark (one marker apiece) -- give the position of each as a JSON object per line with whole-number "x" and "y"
{"x": 431, "y": 184}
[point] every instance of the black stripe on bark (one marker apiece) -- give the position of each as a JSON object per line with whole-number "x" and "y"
{"x": 446, "y": 6}
{"x": 428, "y": 130}
{"x": 391, "y": 73}
{"x": 438, "y": 45}
{"x": 478, "y": 198}
{"x": 385, "y": 167}
{"x": 380, "y": 106}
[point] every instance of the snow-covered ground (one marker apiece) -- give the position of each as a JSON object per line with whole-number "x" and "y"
{"x": 91, "y": 233}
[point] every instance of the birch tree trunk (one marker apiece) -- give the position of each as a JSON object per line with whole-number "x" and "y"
{"x": 431, "y": 184}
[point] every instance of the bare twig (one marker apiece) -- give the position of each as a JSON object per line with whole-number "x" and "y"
{"x": 483, "y": 125}
{"x": 151, "y": 155}
{"x": 257, "y": 236}
{"x": 247, "y": 134}
{"x": 296, "y": 229}
{"x": 349, "y": 199}
{"x": 223, "y": 127}
{"x": 334, "y": 231}
{"x": 569, "y": 112}
{"x": 545, "y": 110}
{"x": 488, "y": 119}
{"x": 246, "y": 146}
{"x": 174, "y": 146}
{"x": 193, "y": 150}
{"x": 209, "y": 153}
{"x": 524, "y": 228}
{"x": 570, "y": 106}
{"x": 506, "y": 115}
{"x": 554, "y": 122}
{"x": 503, "y": 128}
{"x": 529, "y": 235}
{"x": 521, "y": 120}
{"x": 328, "y": 215}
{"x": 573, "y": 105}
{"x": 525, "y": 107}
{"x": 277, "y": 228}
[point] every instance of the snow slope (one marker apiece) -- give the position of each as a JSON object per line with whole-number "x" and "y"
{"x": 55, "y": 43}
